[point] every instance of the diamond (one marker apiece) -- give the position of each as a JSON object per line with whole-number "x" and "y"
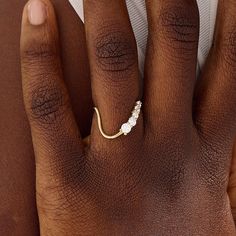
{"x": 132, "y": 121}
{"x": 126, "y": 128}
{"x": 135, "y": 114}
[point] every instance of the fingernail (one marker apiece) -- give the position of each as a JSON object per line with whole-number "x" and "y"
{"x": 37, "y": 13}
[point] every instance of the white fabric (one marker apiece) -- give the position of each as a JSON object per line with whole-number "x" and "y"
{"x": 138, "y": 17}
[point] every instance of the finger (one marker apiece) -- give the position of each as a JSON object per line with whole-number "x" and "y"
{"x": 113, "y": 62}
{"x": 215, "y": 95}
{"x": 75, "y": 64}
{"x": 54, "y": 130}
{"x": 171, "y": 61}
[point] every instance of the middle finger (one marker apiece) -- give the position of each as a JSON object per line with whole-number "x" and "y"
{"x": 171, "y": 62}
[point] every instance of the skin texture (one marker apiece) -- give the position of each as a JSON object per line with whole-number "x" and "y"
{"x": 170, "y": 175}
{"x": 17, "y": 163}
{"x": 18, "y": 214}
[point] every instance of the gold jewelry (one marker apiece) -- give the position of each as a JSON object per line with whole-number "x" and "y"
{"x": 126, "y": 127}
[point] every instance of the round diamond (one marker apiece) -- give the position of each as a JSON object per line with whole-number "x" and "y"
{"x": 126, "y": 128}
{"x": 138, "y": 103}
{"x": 132, "y": 121}
{"x": 138, "y": 107}
{"x": 135, "y": 114}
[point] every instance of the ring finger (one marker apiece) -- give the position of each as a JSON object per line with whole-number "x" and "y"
{"x": 113, "y": 63}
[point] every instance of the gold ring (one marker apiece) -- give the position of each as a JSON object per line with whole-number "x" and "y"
{"x": 126, "y": 127}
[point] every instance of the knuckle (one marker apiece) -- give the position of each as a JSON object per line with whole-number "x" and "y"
{"x": 38, "y": 52}
{"x": 47, "y": 104}
{"x": 179, "y": 28}
{"x": 115, "y": 52}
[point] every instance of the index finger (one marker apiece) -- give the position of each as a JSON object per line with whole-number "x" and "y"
{"x": 54, "y": 130}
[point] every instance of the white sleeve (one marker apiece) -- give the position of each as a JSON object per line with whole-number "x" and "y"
{"x": 208, "y": 10}
{"x": 79, "y": 7}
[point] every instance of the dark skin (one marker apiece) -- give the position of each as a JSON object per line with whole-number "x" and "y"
{"x": 28, "y": 227}
{"x": 170, "y": 175}
{"x": 17, "y": 165}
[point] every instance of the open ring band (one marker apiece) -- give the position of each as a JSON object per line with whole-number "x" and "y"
{"x": 126, "y": 127}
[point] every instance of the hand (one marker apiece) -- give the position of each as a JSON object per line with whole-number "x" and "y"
{"x": 169, "y": 176}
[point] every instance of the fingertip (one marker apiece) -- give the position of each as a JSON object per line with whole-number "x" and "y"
{"x": 39, "y": 24}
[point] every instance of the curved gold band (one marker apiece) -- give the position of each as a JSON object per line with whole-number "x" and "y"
{"x": 126, "y": 127}
{"x": 101, "y": 129}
